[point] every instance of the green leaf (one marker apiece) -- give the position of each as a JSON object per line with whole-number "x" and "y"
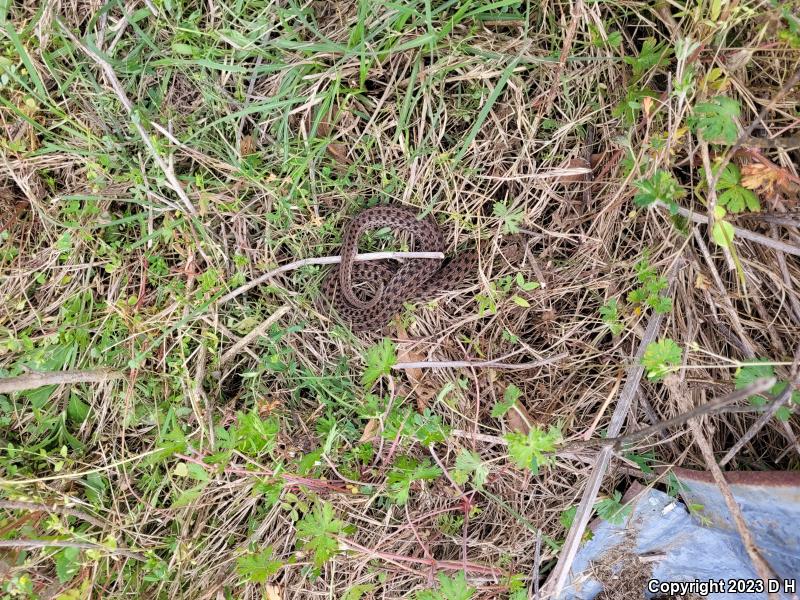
{"x": 470, "y": 462}
{"x": 77, "y": 409}
{"x": 661, "y": 186}
{"x": 404, "y": 472}
{"x": 715, "y": 121}
{"x": 661, "y": 358}
{"x": 67, "y": 563}
{"x": 612, "y": 509}
{"x": 317, "y": 532}
{"x": 609, "y": 313}
{"x": 450, "y": 588}
{"x": 258, "y": 567}
{"x": 567, "y": 517}
{"x": 379, "y": 359}
{"x": 651, "y": 55}
{"x": 186, "y": 497}
{"x": 355, "y": 592}
{"x": 535, "y": 449}
{"x": 510, "y": 397}
{"x": 737, "y": 198}
{"x": 722, "y": 233}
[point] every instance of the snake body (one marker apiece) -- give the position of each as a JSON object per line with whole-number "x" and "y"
{"x": 416, "y": 279}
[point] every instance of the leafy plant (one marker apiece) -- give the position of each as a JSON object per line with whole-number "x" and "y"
{"x": 715, "y": 121}
{"x": 650, "y": 291}
{"x": 609, "y": 313}
{"x": 510, "y": 397}
{"x": 509, "y": 218}
{"x": 450, "y": 588}
{"x": 730, "y": 193}
{"x": 612, "y": 509}
{"x": 661, "y": 358}
{"x": 258, "y": 567}
{"x": 404, "y": 472}
{"x": 469, "y": 463}
{"x": 747, "y": 374}
{"x": 317, "y": 532}
{"x": 535, "y": 449}
{"x": 661, "y": 186}
{"x": 652, "y": 55}
{"x": 379, "y": 359}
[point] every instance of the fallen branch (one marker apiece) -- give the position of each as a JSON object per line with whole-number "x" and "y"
{"x": 323, "y": 260}
{"x": 458, "y": 364}
{"x": 257, "y": 331}
{"x": 63, "y": 544}
{"x": 745, "y": 234}
{"x": 31, "y": 381}
{"x": 781, "y": 400}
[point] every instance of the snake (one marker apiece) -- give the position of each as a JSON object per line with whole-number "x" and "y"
{"x": 412, "y": 280}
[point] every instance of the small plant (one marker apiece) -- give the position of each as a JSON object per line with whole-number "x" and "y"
{"x": 612, "y": 510}
{"x": 469, "y": 464}
{"x": 652, "y": 55}
{"x": 449, "y": 588}
{"x": 509, "y": 218}
{"x": 510, "y": 397}
{"x": 662, "y": 186}
{"x": 317, "y": 531}
{"x": 661, "y": 358}
{"x": 609, "y": 313}
{"x": 715, "y": 121}
{"x": 650, "y": 291}
{"x": 730, "y": 193}
{"x": 257, "y": 567}
{"x": 747, "y": 374}
{"x": 379, "y": 359}
{"x": 535, "y": 449}
{"x": 405, "y": 471}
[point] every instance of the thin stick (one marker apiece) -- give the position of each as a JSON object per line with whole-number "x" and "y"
{"x": 323, "y": 260}
{"x": 52, "y": 508}
{"x": 458, "y": 364}
{"x": 62, "y": 544}
{"x": 256, "y": 332}
{"x": 31, "y": 381}
{"x": 739, "y": 232}
{"x": 709, "y": 408}
{"x": 765, "y": 417}
{"x": 569, "y": 550}
{"x": 108, "y": 71}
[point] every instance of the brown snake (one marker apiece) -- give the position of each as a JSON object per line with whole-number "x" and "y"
{"x": 415, "y": 279}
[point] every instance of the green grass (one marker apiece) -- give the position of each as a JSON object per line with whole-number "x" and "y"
{"x": 305, "y": 464}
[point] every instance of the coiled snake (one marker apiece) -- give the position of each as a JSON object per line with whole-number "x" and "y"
{"x": 415, "y": 279}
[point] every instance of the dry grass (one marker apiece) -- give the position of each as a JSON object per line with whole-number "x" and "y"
{"x": 280, "y": 120}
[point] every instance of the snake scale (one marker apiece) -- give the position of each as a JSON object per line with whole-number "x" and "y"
{"x": 415, "y": 279}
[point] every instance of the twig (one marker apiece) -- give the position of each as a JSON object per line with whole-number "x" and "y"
{"x": 569, "y": 550}
{"x": 108, "y": 71}
{"x": 457, "y": 364}
{"x": 31, "y": 381}
{"x": 709, "y": 408}
{"x": 767, "y": 415}
{"x": 256, "y": 332}
{"x": 323, "y": 260}
{"x": 63, "y": 544}
{"x": 52, "y": 508}
{"x": 739, "y": 232}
